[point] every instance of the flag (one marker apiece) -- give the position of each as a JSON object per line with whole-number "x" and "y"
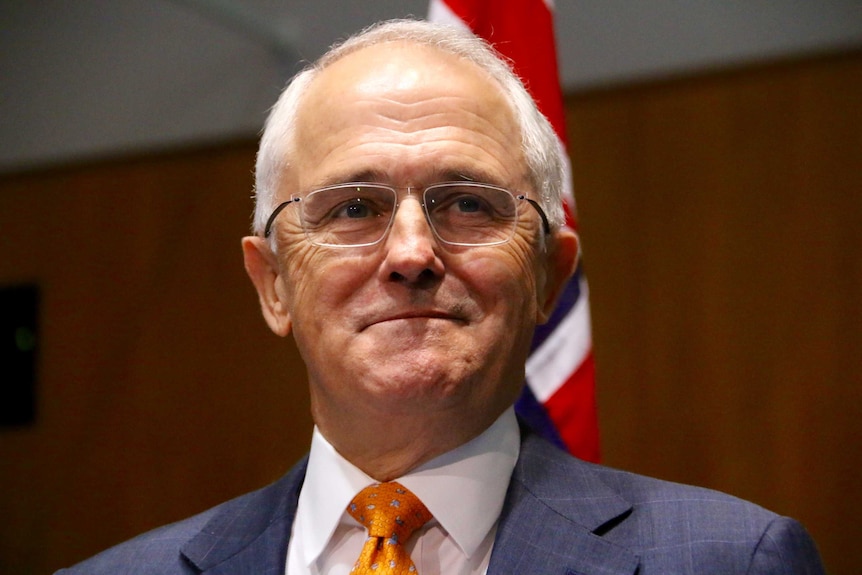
{"x": 559, "y": 398}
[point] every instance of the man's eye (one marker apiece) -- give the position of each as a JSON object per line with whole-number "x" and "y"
{"x": 355, "y": 211}
{"x": 468, "y": 204}
{"x": 463, "y": 204}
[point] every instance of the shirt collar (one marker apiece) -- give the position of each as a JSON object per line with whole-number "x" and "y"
{"x": 464, "y": 488}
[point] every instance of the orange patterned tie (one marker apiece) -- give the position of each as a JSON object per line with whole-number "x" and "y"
{"x": 391, "y": 514}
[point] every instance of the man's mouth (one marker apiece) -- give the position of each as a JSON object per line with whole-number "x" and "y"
{"x": 418, "y": 315}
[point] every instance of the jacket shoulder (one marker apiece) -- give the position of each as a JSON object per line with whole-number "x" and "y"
{"x": 156, "y": 552}
{"x": 173, "y": 549}
{"x": 709, "y": 530}
{"x": 670, "y": 526}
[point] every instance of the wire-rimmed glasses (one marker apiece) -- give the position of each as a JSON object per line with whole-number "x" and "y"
{"x": 360, "y": 214}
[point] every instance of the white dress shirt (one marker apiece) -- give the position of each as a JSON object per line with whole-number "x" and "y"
{"x": 464, "y": 489}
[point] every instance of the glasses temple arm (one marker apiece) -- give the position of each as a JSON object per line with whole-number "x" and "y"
{"x": 545, "y": 223}
{"x": 268, "y": 228}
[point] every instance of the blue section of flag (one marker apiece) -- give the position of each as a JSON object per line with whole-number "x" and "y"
{"x": 534, "y": 415}
{"x": 568, "y": 298}
{"x": 528, "y": 407}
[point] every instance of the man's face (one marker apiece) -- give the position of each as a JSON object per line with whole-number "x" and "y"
{"x": 409, "y": 326}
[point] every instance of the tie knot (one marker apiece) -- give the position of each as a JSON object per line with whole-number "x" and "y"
{"x": 389, "y": 510}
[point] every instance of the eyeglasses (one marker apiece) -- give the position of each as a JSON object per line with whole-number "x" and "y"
{"x": 360, "y": 214}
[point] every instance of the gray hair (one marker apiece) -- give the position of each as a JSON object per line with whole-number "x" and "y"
{"x": 539, "y": 142}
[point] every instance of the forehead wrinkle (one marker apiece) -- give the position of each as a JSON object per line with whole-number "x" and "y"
{"x": 381, "y": 149}
{"x": 418, "y": 164}
{"x": 443, "y": 111}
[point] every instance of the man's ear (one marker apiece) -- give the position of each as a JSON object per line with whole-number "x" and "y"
{"x": 262, "y": 267}
{"x": 562, "y": 260}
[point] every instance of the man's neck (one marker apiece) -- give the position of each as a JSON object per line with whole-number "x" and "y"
{"x": 389, "y": 447}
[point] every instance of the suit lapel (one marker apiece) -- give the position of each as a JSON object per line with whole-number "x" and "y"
{"x": 249, "y": 535}
{"x": 554, "y": 513}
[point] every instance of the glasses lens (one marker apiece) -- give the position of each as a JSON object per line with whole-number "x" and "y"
{"x": 471, "y": 214}
{"x": 347, "y": 215}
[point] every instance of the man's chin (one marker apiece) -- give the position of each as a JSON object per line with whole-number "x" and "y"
{"x": 399, "y": 386}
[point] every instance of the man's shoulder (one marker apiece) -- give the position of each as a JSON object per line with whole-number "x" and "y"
{"x": 662, "y": 522}
{"x": 164, "y": 550}
{"x": 555, "y": 473}
{"x": 550, "y": 468}
{"x": 710, "y": 530}
{"x": 151, "y": 553}
{"x": 647, "y": 491}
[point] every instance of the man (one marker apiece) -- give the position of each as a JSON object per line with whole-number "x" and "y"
{"x": 409, "y": 235}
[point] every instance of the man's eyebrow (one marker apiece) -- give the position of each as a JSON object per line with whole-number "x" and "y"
{"x": 370, "y": 176}
{"x": 466, "y": 175}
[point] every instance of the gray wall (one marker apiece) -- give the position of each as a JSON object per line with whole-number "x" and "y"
{"x": 89, "y": 78}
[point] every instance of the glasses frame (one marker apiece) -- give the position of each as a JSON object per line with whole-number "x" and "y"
{"x": 546, "y": 226}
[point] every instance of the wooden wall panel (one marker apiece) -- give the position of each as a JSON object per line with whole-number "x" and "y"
{"x": 722, "y": 224}
{"x": 721, "y": 218}
{"x": 161, "y": 390}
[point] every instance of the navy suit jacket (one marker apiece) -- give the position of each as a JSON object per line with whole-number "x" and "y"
{"x": 561, "y": 516}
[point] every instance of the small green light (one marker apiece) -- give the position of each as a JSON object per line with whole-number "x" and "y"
{"x": 25, "y": 339}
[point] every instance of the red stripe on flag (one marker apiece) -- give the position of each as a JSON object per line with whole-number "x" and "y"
{"x": 523, "y": 31}
{"x": 572, "y": 408}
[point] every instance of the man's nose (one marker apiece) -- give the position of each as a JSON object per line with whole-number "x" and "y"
{"x": 411, "y": 246}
